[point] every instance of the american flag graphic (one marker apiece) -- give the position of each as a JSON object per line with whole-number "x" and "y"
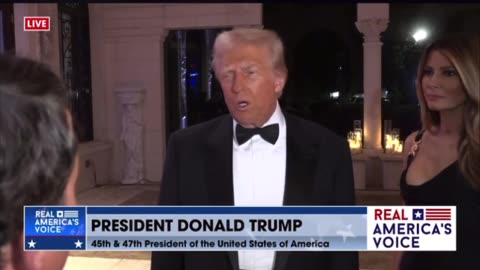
{"x": 438, "y": 214}
{"x": 70, "y": 214}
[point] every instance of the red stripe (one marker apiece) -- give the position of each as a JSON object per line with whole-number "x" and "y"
{"x": 438, "y": 209}
{"x": 437, "y": 218}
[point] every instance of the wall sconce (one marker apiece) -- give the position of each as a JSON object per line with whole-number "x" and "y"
{"x": 355, "y": 140}
{"x": 393, "y": 145}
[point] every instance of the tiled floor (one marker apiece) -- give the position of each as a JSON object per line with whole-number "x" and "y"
{"x": 147, "y": 195}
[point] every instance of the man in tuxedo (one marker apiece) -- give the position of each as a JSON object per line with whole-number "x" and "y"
{"x": 256, "y": 156}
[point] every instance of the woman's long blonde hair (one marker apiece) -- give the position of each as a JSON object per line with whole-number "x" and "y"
{"x": 463, "y": 51}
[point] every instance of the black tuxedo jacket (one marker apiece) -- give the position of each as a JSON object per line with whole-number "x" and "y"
{"x": 198, "y": 171}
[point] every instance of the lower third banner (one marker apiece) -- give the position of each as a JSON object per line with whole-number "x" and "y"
{"x": 294, "y": 228}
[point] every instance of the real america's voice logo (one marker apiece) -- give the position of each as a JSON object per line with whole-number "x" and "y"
{"x": 54, "y": 227}
{"x": 412, "y": 228}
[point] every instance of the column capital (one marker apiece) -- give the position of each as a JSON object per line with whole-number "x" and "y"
{"x": 130, "y": 93}
{"x": 372, "y": 28}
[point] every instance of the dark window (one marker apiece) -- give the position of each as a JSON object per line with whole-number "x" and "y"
{"x": 324, "y": 60}
{"x": 75, "y": 61}
{"x": 193, "y": 95}
{"x": 7, "y": 30}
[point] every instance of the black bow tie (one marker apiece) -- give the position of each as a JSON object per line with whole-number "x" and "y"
{"x": 268, "y": 133}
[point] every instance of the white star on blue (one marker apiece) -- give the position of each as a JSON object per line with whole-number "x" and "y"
{"x": 78, "y": 244}
{"x": 417, "y": 214}
{"x": 31, "y": 244}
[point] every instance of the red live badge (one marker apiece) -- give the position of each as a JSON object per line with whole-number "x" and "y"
{"x": 36, "y": 23}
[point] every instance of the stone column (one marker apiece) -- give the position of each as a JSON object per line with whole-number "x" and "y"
{"x": 132, "y": 135}
{"x": 372, "y": 21}
{"x": 41, "y": 46}
{"x": 27, "y": 44}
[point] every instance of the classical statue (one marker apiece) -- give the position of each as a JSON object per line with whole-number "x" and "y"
{"x": 132, "y": 137}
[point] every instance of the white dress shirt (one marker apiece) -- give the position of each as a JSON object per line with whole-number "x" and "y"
{"x": 259, "y": 180}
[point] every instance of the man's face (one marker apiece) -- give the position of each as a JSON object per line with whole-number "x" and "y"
{"x": 249, "y": 82}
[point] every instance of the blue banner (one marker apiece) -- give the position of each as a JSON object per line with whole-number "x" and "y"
{"x": 55, "y": 228}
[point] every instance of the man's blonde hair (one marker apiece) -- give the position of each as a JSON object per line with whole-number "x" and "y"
{"x": 254, "y": 37}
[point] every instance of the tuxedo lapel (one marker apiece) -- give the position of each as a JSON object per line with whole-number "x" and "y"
{"x": 219, "y": 176}
{"x": 220, "y": 172}
{"x": 302, "y": 156}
